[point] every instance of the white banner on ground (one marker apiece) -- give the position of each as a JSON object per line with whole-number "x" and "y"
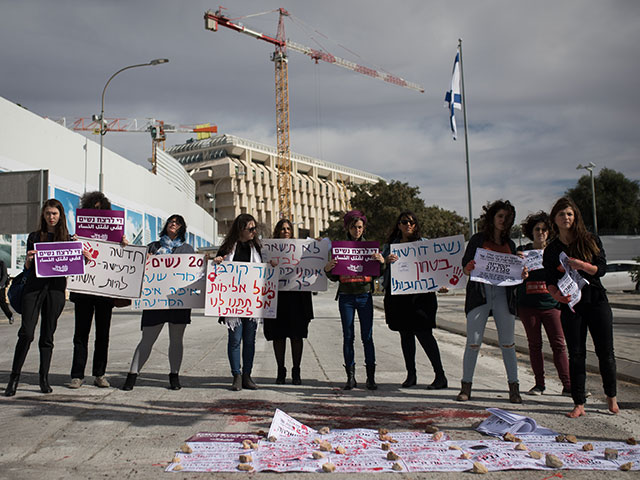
{"x": 300, "y": 262}
{"x": 241, "y": 289}
{"x": 173, "y": 281}
{"x": 494, "y": 268}
{"x": 113, "y": 271}
{"x": 427, "y": 265}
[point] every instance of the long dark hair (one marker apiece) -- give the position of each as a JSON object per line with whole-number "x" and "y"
{"x": 583, "y": 245}
{"x": 489, "y": 213}
{"x": 60, "y": 233}
{"x": 182, "y": 232}
{"x": 90, "y": 199}
{"x": 238, "y": 225}
{"x": 277, "y": 230}
{"x": 397, "y": 234}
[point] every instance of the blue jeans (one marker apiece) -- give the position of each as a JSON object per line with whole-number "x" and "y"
{"x": 245, "y": 332}
{"x": 348, "y": 304}
{"x": 505, "y": 324}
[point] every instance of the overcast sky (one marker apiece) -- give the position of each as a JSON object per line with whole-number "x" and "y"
{"x": 549, "y": 84}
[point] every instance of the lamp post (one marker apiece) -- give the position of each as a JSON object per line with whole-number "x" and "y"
{"x": 103, "y": 126}
{"x": 590, "y": 167}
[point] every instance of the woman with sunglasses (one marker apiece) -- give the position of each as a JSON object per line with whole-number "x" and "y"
{"x": 413, "y": 315}
{"x": 172, "y": 241}
{"x": 537, "y": 308}
{"x": 241, "y": 245}
{"x": 354, "y": 295}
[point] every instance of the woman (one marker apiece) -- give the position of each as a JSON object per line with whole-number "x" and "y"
{"x": 42, "y": 297}
{"x": 482, "y": 299}
{"x": 241, "y": 245}
{"x": 295, "y": 311}
{"x": 414, "y": 315}
{"x": 587, "y": 257}
{"x": 536, "y": 308}
{"x": 354, "y": 294}
{"x": 172, "y": 241}
{"x": 85, "y": 307}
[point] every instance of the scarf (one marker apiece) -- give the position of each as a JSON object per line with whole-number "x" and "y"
{"x": 233, "y": 322}
{"x": 167, "y": 245}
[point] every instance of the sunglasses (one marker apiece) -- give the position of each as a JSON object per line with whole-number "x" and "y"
{"x": 407, "y": 222}
{"x": 539, "y": 229}
{"x": 251, "y": 230}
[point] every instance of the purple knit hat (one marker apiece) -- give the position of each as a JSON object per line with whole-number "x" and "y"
{"x": 351, "y": 215}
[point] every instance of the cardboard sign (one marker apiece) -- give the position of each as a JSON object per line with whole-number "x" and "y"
{"x": 300, "y": 263}
{"x": 355, "y": 258}
{"x": 100, "y": 224}
{"x": 59, "y": 259}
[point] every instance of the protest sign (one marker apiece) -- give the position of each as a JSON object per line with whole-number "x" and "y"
{"x": 355, "y": 258}
{"x": 100, "y": 224}
{"x": 533, "y": 259}
{"x": 494, "y": 268}
{"x": 571, "y": 282}
{"x": 59, "y": 259}
{"x": 427, "y": 265}
{"x": 300, "y": 263}
{"x": 173, "y": 281}
{"x": 241, "y": 289}
{"x": 113, "y": 270}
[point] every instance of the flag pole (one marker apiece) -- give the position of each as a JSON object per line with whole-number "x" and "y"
{"x": 466, "y": 141}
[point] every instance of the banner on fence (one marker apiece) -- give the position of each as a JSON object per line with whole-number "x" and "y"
{"x": 355, "y": 258}
{"x": 300, "y": 263}
{"x": 494, "y": 268}
{"x": 59, "y": 259}
{"x": 100, "y": 224}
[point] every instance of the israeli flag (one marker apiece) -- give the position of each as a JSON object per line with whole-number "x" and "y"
{"x": 453, "y": 98}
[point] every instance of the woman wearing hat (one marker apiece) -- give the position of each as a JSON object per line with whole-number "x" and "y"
{"x": 354, "y": 295}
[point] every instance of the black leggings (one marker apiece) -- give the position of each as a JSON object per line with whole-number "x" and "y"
{"x": 86, "y": 307}
{"x": 429, "y": 344}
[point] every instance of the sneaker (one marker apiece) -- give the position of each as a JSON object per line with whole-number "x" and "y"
{"x": 537, "y": 390}
{"x": 101, "y": 382}
{"x": 76, "y": 383}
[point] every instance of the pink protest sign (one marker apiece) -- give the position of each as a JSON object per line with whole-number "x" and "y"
{"x": 100, "y": 224}
{"x": 59, "y": 259}
{"x": 355, "y": 258}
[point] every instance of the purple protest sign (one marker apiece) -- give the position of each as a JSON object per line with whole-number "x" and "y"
{"x": 59, "y": 259}
{"x": 355, "y": 258}
{"x": 100, "y": 224}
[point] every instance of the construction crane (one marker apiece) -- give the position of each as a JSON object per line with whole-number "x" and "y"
{"x": 214, "y": 19}
{"x": 157, "y": 128}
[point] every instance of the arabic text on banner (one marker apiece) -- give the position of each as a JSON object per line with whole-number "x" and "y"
{"x": 427, "y": 265}
{"x": 113, "y": 271}
{"x": 300, "y": 263}
{"x": 59, "y": 259}
{"x": 100, "y": 224}
{"x": 241, "y": 289}
{"x": 494, "y": 268}
{"x": 173, "y": 281}
{"x": 355, "y": 258}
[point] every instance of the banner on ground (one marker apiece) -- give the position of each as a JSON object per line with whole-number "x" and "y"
{"x": 427, "y": 265}
{"x": 173, "y": 281}
{"x": 113, "y": 271}
{"x": 494, "y": 268}
{"x": 100, "y": 224}
{"x": 241, "y": 289}
{"x": 355, "y": 258}
{"x": 59, "y": 259}
{"x": 300, "y": 263}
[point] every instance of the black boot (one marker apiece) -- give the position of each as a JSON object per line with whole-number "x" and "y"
{"x": 351, "y": 378}
{"x": 44, "y": 383}
{"x": 174, "y": 381}
{"x": 248, "y": 383}
{"x": 282, "y": 375}
{"x": 371, "y": 377}
{"x": 13, "y": 385}
{"x": 440, "y": 382}
{"x": 130, "y": 382}
{"x": 411, "y": 379}
{"x": 295, "y": 376}
{"x": 236, "y": 386}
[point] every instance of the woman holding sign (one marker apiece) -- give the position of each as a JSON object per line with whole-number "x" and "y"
{"x": 172, "y": 241}
{"x": 295, "y": 311}
{"x": 583, "y": 253}
{"x": 413, "y": 315}
{"x": 354, "y": 295}
{"x": 42, "y": 297}
{"x": 536, "y": 308}
{"x": 482, "y": 299}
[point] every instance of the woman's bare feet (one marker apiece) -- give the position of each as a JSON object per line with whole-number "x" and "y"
{"x": 612, "y": 403}
{"x": 577, "y": 411}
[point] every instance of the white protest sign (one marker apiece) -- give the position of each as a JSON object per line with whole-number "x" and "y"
{"x": 241, "y": 289}
{"x": 300, "y": 263}
{"x": 113, "y": 271}
{"x": 571, "y": 282}
{"x": 173, "y": 281}
{"x": 533, "y": 259}
{"x": 427, "y": 265}
{"x": 494, "y": 268}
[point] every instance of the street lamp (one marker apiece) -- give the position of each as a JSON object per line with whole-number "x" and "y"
{"x": 590, "y": 167}
{"x": 103, "y": 125}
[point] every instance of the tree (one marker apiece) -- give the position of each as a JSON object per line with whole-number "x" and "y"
{"x": 617, "y": 202}
{"x": 382, "y": 203}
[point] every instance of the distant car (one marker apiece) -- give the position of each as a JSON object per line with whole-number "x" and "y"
{"x": 618, "y": 276}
